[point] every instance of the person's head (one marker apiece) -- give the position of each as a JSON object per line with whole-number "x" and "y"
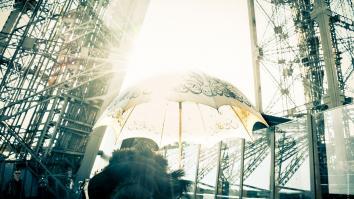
{"x": 137, "y": 174}
{"x": 17, "y": 174}
{"x": 139, "y": 143}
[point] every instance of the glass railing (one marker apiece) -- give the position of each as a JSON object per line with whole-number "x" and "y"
{"x": 278, "y": 163}
{"x": 292, "y": 171}
{"x": 256, "y": 172}
{"x": 336, "y": 151}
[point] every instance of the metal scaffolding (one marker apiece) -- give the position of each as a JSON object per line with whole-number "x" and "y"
{"x": 53, "y": 58}
{"x": 54, "y": 70}
{"x": 304, "y": 47}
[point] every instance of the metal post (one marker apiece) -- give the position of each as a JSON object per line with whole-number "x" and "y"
{"x": 180, "y": 147}
{"x": 92, "y": 148}
{"x": 273, "y": 190}
{"x": 218, "y": 170}
{"x": 321, "y": 15}
{"x": 315, "y": 180}
{"x": 196, "y": 172}
{"x": 242, "y": 162}
{"x": 46, "y": 125}
{"x": 2, "y": 170}
{"x": 8, "y": 28}
{"x": 56, "y": 127}
{"x": 255, "y": 55}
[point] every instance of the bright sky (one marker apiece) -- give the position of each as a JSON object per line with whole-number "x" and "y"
{"x": 208, "y": 35}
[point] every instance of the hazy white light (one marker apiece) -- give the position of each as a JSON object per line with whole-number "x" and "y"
{"x": 208, "y": 35}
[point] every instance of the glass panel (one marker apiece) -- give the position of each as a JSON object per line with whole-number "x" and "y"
{"x": 229, "y": 172}
{"x": 292, "y": 169}
{"x": 207, "y": 171}
{"x": 338, "y": 151}
{"x": 189, "y": 164}
{"x": 201, "y": 159}
{"x": 257, "y": 167}
{"x": 171, "y": 153}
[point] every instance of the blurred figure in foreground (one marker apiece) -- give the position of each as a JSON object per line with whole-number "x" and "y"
{"x": 136, "y": 172}
{"x": 14, "y": 188}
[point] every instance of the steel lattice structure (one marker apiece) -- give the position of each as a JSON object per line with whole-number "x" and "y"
{"x": 291, "y": 57}
{"x": 291, "y": 53}
{"x": 53, "y": 68}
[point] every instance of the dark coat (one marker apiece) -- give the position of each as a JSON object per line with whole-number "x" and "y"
{"x": 134, "y": 174}
{"x": 14, "y": 190}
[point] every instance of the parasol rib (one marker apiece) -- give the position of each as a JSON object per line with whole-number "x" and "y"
{"x": 163, "y": 123}
{"x": 125, "y": 121}
{"x": 201, "y": 116}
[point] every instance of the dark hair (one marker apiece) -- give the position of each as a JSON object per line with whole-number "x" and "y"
{"x": 137, "y": 174}
{"x": 140, "y": 144}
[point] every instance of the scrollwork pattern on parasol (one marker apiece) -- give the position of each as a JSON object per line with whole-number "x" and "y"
{"x": 211, "y": 87}
{"x": 131, "y": 94}
{"x": 193, "y": 83}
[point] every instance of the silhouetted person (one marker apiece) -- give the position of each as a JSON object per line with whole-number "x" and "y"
{"x": 43, "y": 192}
{"x": 14, "y": 188}
{"x": 137, "y": 173}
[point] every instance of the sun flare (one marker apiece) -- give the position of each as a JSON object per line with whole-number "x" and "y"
{"x": 209, "y": 36}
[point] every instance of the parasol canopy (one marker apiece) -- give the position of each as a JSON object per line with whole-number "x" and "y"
{"x": 193, "y": 107}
